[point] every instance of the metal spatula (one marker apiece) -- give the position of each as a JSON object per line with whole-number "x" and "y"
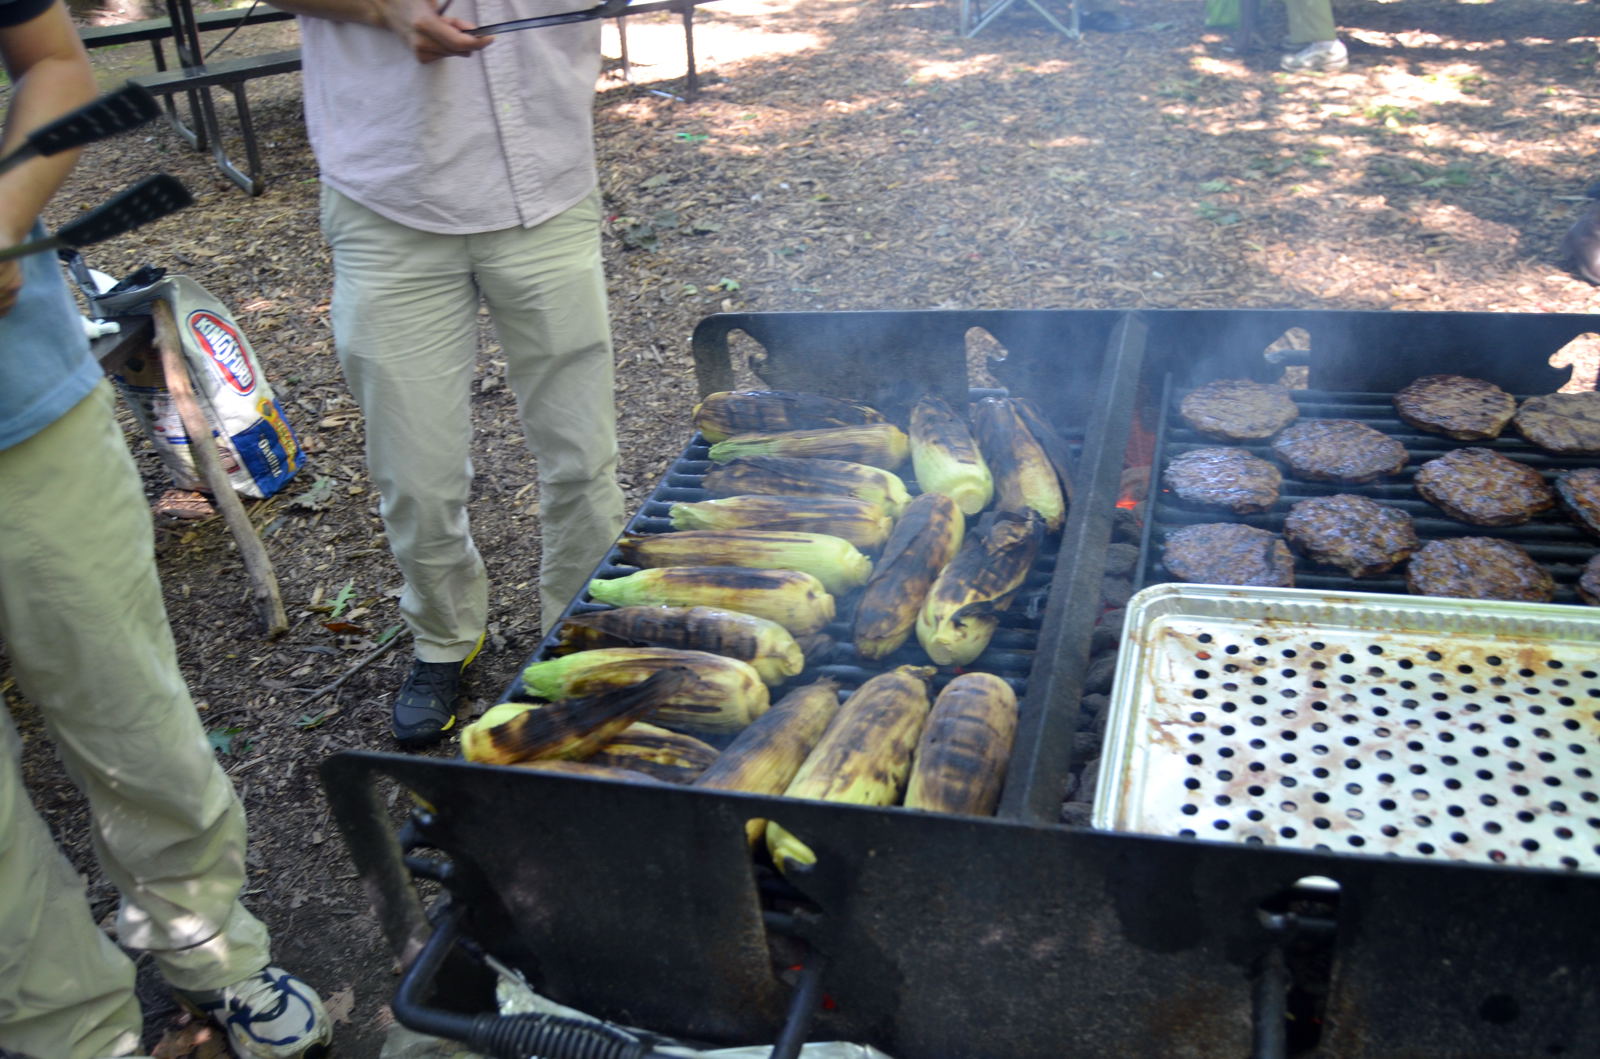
{"x": 151, "y": 198}
{"x": 128, "y": 107}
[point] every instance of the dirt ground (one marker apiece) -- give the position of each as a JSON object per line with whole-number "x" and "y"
{"x": 841, "y": 155}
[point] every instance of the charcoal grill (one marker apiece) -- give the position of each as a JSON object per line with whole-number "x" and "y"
{"x": 1010, "y": 937}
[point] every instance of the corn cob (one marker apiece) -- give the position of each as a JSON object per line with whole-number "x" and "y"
{"x": 795, "y": 600}
{"x": 874, "y": 444}
{"x": 863, "y": 524}
{"x": 961, "y": 611}
{"x": 1024, "y": 480}
{"x": 764, "y": 757}
{"x": 864, "y": 756}
{"x": 659, "y": 752}
{"x": 573, "y": 728}
{"x": 945, "y": 456}
{"x": 769, "y": 648}
{"x": 793, "y": 476}
{"x": 926, "y": 538}
{"x": 1054, "y": 445}
{"x": 588, "y": 768}
{"x": 721, "y": 415}
{"x": 832, "y": 560}
{"x": 961, "y": 759}
{"x": 721, "y": 694}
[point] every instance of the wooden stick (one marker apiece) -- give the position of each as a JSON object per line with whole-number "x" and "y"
{"x": 208, "y": 461}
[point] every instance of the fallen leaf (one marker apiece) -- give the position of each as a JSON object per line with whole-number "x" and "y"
{"x": 340, "y": 1004}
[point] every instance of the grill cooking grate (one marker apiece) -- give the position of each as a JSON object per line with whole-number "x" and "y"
{"x": 1458, "y": 730}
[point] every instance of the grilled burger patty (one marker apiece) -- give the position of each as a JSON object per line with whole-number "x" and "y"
{"x": 1478, "y": 568}
{"x": 1561, "y": 422}
{"x": 1580, "y": 496}
{"x": 1338, "y": 450}
{"x": 1239, "y": 409}
{"x": 1226, "y": 478}
{"x": 1456, "y": 406}
{"x": 1358, "y": 535}
{"x": 1228, "y": 553}
{"x": 1484, "y": 488}
{"x": 1589, "y": 582}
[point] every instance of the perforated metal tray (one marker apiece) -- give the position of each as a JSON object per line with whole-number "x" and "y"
{"x": 1358, "y": 723}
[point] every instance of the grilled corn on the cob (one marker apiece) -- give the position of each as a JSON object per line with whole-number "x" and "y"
{"x": 925, "y": 539}
{"x": 961, "y": 611}
{"x": 656, "y": 751}
{"x": 863, "y": 524}
{"x": 874, "y": 444}
{"x": 575, "y": 727}
{"x": 863, "y": 758}
{"x": 1050, "y": 440}
{"x": 764, "y": 757}
{"x": 832, "y": 560}
{"x": 588, "y": 768}
{"x": 795, "y": 476}
{"x": 793, "y": 599}
{"x": 770, "y": 648}
{"x": 1024, "y": 480}
{"x": 721, "y": 694}
{"x": 945, "y": 456}
{"x": 728, "y": 412}
{"x": 961, "y": 759}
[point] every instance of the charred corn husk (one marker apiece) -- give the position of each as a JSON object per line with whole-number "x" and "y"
{"x": 874, "y": 444}
{"x": 864, "y": 756}
{"x": 793, "y": 476}
{"x": 721, "y": 415}
{"x": 1024, "y": 480}
{"x": 589, "y": 768}
{"x": 656, "y": 751}
{"x": 793, "y": 599}
{"x": 961, "y": 759}
{"x": 945, "y": 457}
{"x": 767, "y": 646}
{"x": 925, "y": 539}
{"x": 1050, "y": 440}
{"x": 832, "y": 560}
{"x": 572, "y": 728}
{"x": 961, "y": 611}
{"x": 721, "y": 694}
{"x": 863, "y": 524}
{"x": 764, "y": 758}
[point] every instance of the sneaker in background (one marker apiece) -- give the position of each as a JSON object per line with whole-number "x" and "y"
{"x": 270, "y": 1015}
{"x": 425, "y": 708}
{"x": 1320, "y": 56}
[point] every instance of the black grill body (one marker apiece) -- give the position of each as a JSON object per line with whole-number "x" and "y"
{"x": 1008, "y": 937}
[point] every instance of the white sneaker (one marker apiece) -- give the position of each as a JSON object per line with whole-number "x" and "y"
{"x": 1318, "y": 56}
{"x": 270, "y": 1015}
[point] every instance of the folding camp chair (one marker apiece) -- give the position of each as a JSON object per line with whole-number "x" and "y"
{"x": 976, "y": 14}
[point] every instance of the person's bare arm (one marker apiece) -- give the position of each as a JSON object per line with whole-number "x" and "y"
{"x": 430, "y": 35}
{"x": 50, "y": 75}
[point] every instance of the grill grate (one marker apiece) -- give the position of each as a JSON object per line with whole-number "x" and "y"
{"x": 1552, "y": 539}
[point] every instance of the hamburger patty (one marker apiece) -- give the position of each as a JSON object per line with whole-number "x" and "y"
{"x": 1456, "y": 406}
{"x": 1478, "y": 568}
{"x": 1338, "y": 450}
{"x": 1561, "y": 422}
{"x": 1358, "y": 535}
{"x": 1580, "y": 496}
{"x": 1589, "y": 582}
{"x": 1239, "y": 409}
{"x": 1228, "y": 553}
{"x": 1484, "y": 488}
{"x": 1225, "y": 478}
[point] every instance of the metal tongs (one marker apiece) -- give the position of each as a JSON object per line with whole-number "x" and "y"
{"x": 607, "y": 9}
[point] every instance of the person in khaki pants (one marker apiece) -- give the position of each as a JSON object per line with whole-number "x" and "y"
{"x": 1313, "y": 34}
{"x": 84, "y": 627}
{"x": 448, "y": 186}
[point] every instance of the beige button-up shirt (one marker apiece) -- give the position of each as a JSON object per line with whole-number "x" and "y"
{"x": 498, "y": 139}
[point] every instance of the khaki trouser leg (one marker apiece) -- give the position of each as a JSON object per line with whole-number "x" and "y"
{"x": 82, "y": 618}
{"x": 546, "y": 289}
{"x": 1310, "y": 20}
{"x": 405, "y": 324}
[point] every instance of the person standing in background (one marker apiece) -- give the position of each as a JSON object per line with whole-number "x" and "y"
{"x": 1312, "y": 32}
{"x": 84, "y": 624}
{"x": 446, "y": 185}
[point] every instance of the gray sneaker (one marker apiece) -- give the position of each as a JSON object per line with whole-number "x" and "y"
{"x": 270, "y": 1015}
{"x": 1320, "y": 56}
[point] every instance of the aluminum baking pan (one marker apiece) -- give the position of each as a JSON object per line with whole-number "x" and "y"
{"x": 1358, "y": 723}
